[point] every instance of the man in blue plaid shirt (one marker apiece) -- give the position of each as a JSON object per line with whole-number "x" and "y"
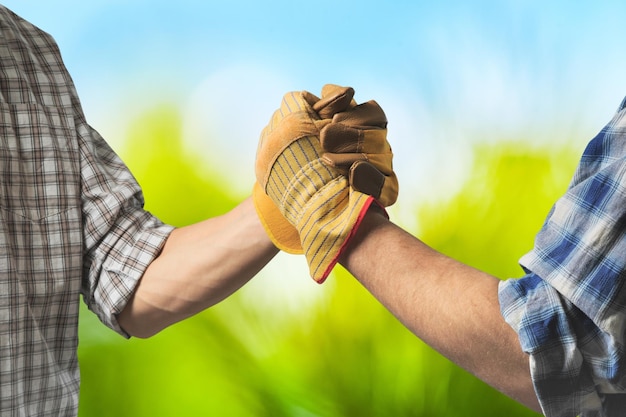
{"x": 570, "y": 309}
{"x": 553, "y": 339}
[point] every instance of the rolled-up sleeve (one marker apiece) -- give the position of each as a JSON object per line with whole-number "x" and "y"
{"x": 121, "y": 238}
{"x": 569, "y": 310}
{"x": 568, "y": 354}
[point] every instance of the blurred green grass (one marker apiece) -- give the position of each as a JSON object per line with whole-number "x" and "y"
{"x": 343, "y": 356}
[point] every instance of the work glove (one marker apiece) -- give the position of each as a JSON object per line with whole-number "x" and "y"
{"x": 356, "y": 144}
{"x": 302, "y": 194}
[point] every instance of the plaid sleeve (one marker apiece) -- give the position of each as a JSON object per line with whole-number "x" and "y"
{"x": 121, "y": 238}
{"x": 570, "y": 310}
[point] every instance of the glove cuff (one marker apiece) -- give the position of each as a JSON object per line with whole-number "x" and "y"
{"x": 284, "y": 236}
{"x": 330, "y": 262}
{"x": 333, "y": 231}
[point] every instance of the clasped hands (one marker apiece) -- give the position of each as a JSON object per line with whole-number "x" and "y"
{"x": 320, "y": 164}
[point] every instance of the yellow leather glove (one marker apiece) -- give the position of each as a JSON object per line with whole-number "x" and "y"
{"x": 334, "y": 99}
{"x": 311, "y": 191}
{"x": 356, "y": 143}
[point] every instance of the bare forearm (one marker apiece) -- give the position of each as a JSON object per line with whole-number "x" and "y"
{"x": 451, "y": 306}
{"x": 199, "y": 266}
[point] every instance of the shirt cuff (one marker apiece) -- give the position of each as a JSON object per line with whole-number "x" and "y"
{"x": 562, "y": 344}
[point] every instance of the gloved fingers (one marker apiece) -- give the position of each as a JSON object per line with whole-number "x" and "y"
{"x": 341, "y": 138}
{"x": 335, "y": 99}
{"x": 295, "y": 112}
{"x": 291, "y": 121}
{"x": 310, "y": 98}
{"x": 389, "y": 191}
{"x": 365, "y": 114}
{"x": 382, "y": 161}
{"x": 296, "y": 118}
{"x": 343, "y": 161}
{"x": 366, "y": 178}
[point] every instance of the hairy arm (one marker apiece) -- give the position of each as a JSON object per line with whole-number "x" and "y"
{"x": 199, "y": 266}
{"x": 451, "y": 306}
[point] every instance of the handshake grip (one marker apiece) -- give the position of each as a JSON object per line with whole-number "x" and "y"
{"x": 355, "y": 142}
{"x": 321, "y": 162}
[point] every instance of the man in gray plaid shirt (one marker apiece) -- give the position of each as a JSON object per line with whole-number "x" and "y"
{"x": 72, "y": 222}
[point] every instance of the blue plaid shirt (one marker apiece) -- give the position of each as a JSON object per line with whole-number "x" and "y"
{"x": 570, "y": 308}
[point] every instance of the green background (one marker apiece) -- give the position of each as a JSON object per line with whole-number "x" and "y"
{"x": 342, "y": 354}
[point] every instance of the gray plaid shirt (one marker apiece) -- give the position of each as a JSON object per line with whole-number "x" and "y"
{"x": 71, "y": 222}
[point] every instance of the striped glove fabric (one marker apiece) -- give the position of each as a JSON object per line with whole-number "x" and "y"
{"x": 299, "y": 182}
{"x": 334, "y": 99}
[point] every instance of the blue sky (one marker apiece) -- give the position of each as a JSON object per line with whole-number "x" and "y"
{"x": 447, "y": 73}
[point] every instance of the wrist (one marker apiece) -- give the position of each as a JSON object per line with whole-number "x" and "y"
{"x": 374, "y": 219}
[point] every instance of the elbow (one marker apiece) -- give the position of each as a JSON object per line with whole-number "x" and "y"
{"x": 141, "y": 333}
{"x": 141, "y": 328}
